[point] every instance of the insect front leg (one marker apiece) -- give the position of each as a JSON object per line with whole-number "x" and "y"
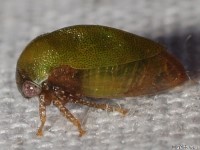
{"x": 69, "y": 116}
{"x": 42, "y": 111}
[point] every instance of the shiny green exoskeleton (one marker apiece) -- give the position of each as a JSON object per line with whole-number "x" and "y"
{"x": 93, "y": 61}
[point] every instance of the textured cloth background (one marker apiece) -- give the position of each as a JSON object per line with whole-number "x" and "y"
{"x": 165, "y": 121}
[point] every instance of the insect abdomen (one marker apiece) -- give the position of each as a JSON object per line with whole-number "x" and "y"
{"x": 147, "y": 76}
{"x": 106, "y": 82}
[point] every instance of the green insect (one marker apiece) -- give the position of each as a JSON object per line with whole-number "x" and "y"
{"x": 72, "y": 63}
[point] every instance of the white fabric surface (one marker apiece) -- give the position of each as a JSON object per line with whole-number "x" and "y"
{"x": 164, "y": 121}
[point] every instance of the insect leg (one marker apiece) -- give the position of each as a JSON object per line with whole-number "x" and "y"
{"x": 99, "y": 106}
{"x": 42, "y": 111}
{"x": 69, "y": 116}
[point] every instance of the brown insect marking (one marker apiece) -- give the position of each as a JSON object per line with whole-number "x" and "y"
{"x": 65, "y": 78}
{"x": 157, "y": 77}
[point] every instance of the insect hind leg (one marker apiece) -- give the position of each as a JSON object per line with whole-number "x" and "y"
{"x": 103, "y": 106}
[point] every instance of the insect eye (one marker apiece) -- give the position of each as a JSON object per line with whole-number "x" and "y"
{"x": 30, "y": 89}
